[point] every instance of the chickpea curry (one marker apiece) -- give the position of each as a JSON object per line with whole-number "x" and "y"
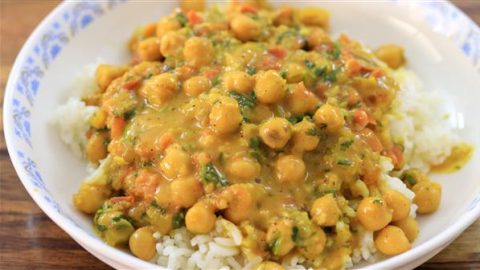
{"x": 257, "y": 115}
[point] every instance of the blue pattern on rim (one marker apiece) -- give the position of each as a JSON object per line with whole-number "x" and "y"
{"x": 441, "y": 15}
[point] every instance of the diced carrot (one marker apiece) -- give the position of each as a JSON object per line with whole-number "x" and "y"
{"x": 118, "y": 124}
{"x": 360, "y": 117}
{"x": 269, "y": 62}
{"x": 212, "y": 73}
{"x": 164, "y": 141}
{"x": 122, "y": 199}
{"x": 248, "y": 9}
{"x": 278, "y": 51}
{"x": 194, "y": 17}
{"x": 371, "y": 139}
{"x": 132, "y": 84}
{"x": 353, "y": 67}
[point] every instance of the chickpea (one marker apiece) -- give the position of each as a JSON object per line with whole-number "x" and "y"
{"x": 99, "y": 119}
{"x": 166, "y": 25}
{"x": 315, "y": 245}
{"x": 200, "y": 219}
{"x": 329, "y": 116}
{"x": 268, "y": 265}
{"x": 399, "y": 203}
{"x": 302, "y": 139}
{"x": 142, "y": 243}
{"x": 243, "y": 168}
{"x": 392, "y": 55}
{"x": 270, "y": 87}
{"x": 290, "y": 169}
{"x": 171, "y": 43}
{"x": 96, "y": 148}
{"x": 300, "y": 100}
{"x": 117, "y": 229}
{"x": 196, "y": 85}
{"x": 391, "y": 241}
{"x": 314, "y": 17}
{"x": 373, "y": 213}
{"x": 240, "y": 203}
{"x": 198, "y": 52}
{"x": 225, "y": 116}
{"x": 317, "y": 37}
{"x": 245, "y": 28}
{"x": 276, "y": 132}
{"x": 160, "y": 89}
{"x": 239, "y": 81}
{"x": 325, "y": 211}
{"x": 196, "y": 5}
{"x": 90, "y": 197}
{"x": 409, "y": 226}
{"x": 185, "y": 191}
{"x": 149, "y": 49}
{"x": 279, "y": 237}
{"x": 427, "y": 196}
{"x": 161, "y": 221}
{"x": 105, "y": 74}
{"x": 176, "y": 162}
{"x": 295, "y": 72}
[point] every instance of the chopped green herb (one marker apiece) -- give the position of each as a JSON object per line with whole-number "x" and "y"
{"x": 344, "y": 162}
{"x": 256, "y": 150}
{"x": 245, "y": 101}
{"x": 346, "y": 144}
{"x": 155, "y": 205}
{"x": 101, "y": 228}
{"x": 216, "y": 81}
{"x": 335, "y": 53}
{"x": 295, "y": 234}
{"x": 295, "y": 118}
{"x": 181, "y": 18}
{"x": 378, "y": 201}
{"x": 309, "y": 64}
{"x": 129, "y": 115}
{"x": 179, "y": 219}
{"x": 320, "y": 71}
{"x": 210, "y": 174}
{"x": 283, "y": 72}
{"x": 313, "y": 132}
{"x": 410, "y": 179}
{"x": 251, "y": 70}
{"x": 273, "y": 245}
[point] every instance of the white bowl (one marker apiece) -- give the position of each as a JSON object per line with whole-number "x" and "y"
{"x": 434, "y": 35}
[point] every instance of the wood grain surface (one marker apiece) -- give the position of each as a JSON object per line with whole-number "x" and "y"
{"x": 30, "y": 240}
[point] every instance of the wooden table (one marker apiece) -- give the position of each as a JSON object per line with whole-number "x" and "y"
{"x": 29, "y": 239}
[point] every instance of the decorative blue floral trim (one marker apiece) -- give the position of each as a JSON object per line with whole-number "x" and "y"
{"x": 21, "y": 120}
{"x": 32, "y": 170}
{"x": 83, "y": 14}
{"x": 51, "y": 45}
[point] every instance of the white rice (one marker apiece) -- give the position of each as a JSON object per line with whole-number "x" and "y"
{"x": 416, "y": 120}
{"x": 419, "y": 122}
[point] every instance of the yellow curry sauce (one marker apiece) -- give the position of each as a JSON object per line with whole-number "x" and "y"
{"x": 256, "y": 115}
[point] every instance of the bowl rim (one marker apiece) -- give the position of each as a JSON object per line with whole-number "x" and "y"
{"x": 90, "y": 242}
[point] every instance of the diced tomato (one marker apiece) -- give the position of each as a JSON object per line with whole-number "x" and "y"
{"x": 396, "y": 155}
{"x": 371, "y": 139}
{"x": 370, "y": 177}
{"x": 278, "y": 51}
{"x": 377, "y": 73}
{"x": 344, "y": 39}
{"x": 353, "y": 67}
{"x": 269, "y": 62}
{"x": 194, "y": 17}
{"x": 164, "y": 141}
{"x": 248, "y": 9}
{"x": 122, "y": 199}
{"x": 212, "y": 73}
{"x": 132, "y": 84}
{"x": 145, "y": 185}
{"x": 118, "y": 124}
{"x": 345, "y": 53}
{"x": 360, "y": 117}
